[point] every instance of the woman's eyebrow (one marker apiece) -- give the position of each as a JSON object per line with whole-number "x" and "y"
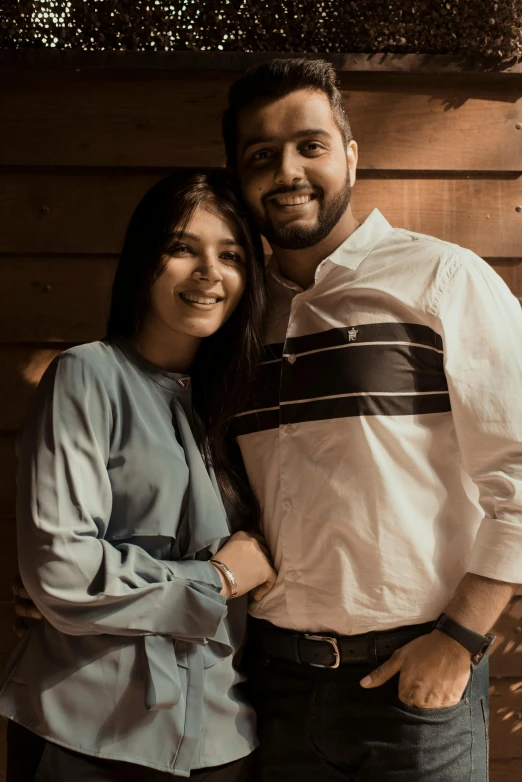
{"x": 196, "y": 238}
{"x": 229, "y": 242}
{"x": 187, "y": 235}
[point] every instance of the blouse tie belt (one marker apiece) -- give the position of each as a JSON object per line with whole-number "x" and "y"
{"x": 160, "y": 667}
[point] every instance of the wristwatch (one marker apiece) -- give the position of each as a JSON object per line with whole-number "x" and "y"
{"x": 475, "y": 643}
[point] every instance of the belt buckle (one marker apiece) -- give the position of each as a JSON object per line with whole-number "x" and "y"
{"x": 333, "y": 643}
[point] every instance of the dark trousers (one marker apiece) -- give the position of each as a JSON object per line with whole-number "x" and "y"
{"x": 32, "y": 759}
{"x": 319, "y": 724}
{"x": 24, "y": 753}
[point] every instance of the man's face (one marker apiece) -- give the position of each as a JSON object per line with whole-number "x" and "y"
{"x": 294, "y": 170}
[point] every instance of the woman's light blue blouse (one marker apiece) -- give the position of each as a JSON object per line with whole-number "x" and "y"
{"x": 118, "y": 513}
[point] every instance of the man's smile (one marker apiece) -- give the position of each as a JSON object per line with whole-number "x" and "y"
{"x": 291, "y": 201}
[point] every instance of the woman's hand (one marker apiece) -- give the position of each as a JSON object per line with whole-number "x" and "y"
{"x": 247, "y": 557}
{"x": 24, "y": 607}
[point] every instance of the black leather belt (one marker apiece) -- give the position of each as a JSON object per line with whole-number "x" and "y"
{"x": 322, "y": 650}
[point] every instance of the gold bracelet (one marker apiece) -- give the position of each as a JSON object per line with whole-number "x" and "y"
{"x": 231, "y": 579}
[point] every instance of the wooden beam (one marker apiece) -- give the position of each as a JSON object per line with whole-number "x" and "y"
{"x": 22, "y": 369}
{"x": 66, "y": 117}
{"x": 239, "y": 61}
{"x": 57, "y": 299}
{"x": 71, "y": 212}
{"x": 507, "y": 770}
{"x": 54, "y": 298}
{"x": 506, "y": 654}
{"x": 505, "y": 718}
{"x": 7, "y": 474}
{"x": 8, "y": 557}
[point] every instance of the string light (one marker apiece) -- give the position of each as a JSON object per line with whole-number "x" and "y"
{"x": 453, "y": 27}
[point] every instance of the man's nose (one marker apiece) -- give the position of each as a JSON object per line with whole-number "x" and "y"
{"x": 289, "y": 169}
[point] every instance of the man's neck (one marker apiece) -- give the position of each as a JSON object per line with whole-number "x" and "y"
{"x": 299, "y": 266}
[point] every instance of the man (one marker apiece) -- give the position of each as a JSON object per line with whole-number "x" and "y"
{"x": 384, "y": 442}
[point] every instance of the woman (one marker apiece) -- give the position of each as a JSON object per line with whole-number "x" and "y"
{"x": 120, "y": 517}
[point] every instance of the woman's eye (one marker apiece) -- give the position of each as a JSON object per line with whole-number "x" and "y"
{"x": 231, "y": 257}
{"x": 180, "y": 249}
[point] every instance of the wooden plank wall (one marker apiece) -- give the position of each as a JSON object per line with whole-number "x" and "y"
{"x": 78, "y": 147}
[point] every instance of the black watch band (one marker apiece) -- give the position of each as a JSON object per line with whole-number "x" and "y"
{"x": 475, "y": 643}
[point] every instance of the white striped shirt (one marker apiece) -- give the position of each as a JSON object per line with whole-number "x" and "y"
{"x": 384, "y": 435}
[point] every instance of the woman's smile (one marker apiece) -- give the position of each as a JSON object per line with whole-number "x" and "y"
{"x": 199, "y": 298}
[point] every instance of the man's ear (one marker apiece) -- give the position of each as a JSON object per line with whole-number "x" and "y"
{"x": 352, "y": 155}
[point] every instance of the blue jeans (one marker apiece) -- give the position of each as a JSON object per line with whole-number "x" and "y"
{"x": 320, "y": 725}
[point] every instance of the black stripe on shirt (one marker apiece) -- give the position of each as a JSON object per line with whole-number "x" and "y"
{"x": 346, "y": 407}
{"x": 265, "y": 387}
{"x": 272, "y": 352}
{"x": 341, "y": 407}
{"x": 343, "y": 370}
{"x": 370, "y": 332}
{"x": 393, "y": 368}
{"x": 256, "y": 422}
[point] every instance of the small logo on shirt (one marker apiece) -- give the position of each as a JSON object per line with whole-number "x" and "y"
{"x": 352, "y": 334}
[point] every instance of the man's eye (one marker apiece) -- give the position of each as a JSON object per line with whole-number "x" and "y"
{"x": 261, "y": 154}
{"x": 313, "y": 146}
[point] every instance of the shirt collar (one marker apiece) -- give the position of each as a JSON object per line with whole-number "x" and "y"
{"x": 354, "y": 250}
{"x": 351, "y": 252}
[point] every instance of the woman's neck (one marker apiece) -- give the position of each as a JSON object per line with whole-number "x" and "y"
{"x": 167, "y": 350}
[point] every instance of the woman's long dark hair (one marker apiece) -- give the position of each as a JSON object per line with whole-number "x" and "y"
{"x": 226, "y": 361}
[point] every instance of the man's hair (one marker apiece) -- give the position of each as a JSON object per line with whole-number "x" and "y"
{"x": 274, "y": 80}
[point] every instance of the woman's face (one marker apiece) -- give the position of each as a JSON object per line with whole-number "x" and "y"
{"x": 203, "y": 280}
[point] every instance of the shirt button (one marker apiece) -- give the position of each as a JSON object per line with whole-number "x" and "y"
{"x": 287, "y": 504}
{"x": 291, "y": 358}
{"x": 289, "y": 429}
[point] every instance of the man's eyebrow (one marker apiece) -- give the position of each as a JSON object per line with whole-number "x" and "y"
{"x": 251, "y": 142}
{"x": 258, "y": 140}
{"x": 312, "y": 132}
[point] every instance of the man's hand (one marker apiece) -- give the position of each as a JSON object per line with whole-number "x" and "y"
{"x": 24, "y": 607}
{"x": 434, "y": 671}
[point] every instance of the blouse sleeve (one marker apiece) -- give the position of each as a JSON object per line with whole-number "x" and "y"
{"x": 81, "y": 583}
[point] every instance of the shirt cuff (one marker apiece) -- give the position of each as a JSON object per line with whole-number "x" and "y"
{"x": 196, "y": 570}
{"x": 497, "y": 552}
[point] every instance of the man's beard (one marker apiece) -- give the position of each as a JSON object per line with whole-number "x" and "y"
{"x": 299, "y": 237}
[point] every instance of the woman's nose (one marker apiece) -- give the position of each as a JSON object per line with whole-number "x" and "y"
{"x": 208, "y": 268}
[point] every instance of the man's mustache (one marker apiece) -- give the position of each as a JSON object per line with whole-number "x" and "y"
{"x": 301, "y": 189}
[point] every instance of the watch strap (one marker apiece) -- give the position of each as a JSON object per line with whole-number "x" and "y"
{"x": 475, "y": 643}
